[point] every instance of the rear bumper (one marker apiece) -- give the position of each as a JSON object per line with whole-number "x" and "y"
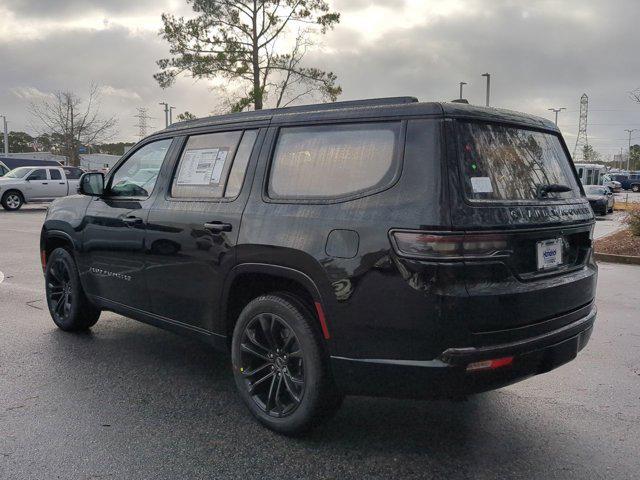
{"x": 446, "y": 376}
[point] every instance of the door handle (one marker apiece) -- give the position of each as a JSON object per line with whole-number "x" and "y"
{"x": 132, "y": 221}
{"x": 45, "y": 183}
{"x": 62, "y": 183}
{"x": 218, "y": 227}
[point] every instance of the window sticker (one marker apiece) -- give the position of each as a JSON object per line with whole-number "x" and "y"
{"x": 219, "y": 166}
{"x": 202, "y": 167}
{"x": 197, "y": 167}
{"x": 481, "y": 185}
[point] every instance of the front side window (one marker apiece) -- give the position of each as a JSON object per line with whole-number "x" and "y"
{"x": 509, "y": 164}
{"x": 137, "y": 176}
{"x": 213, "y": 165}
{"x": 40, "y": 174}
{"x": 324, "y": 162}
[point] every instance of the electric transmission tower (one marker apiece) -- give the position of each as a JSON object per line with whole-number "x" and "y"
{"x": 582, "y": 140}
{"x": 142, "y": 125}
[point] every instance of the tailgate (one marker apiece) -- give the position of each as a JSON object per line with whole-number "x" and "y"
{"x": 516, "y": 185}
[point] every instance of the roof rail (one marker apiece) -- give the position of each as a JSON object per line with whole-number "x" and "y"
{"x": 372, "y": 102}
{"x": 261, "y": 114}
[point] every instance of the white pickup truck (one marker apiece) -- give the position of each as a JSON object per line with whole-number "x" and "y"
{"x": 37, "y": 184}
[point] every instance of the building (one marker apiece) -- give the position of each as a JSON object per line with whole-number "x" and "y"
{"x": 98, "y": 161}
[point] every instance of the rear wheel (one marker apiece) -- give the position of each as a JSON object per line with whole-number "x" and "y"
{"x": 280, "y": 367}
{"x": 635, "y": 188}
{"x": 68, "y": 305}
{"x": 12, "y": 200}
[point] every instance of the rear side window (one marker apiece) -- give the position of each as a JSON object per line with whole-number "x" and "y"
{"x": 55, "y": 174}
{"x": 213, "y": 165}
{"x": 506, "y": 163}
{"x": 326, "y": 162}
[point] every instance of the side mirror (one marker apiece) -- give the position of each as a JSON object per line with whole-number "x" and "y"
{"x": 91, "y": 184}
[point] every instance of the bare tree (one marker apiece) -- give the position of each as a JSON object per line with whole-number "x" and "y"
{"x": 77, "y": 122}
{"x": 635, "y": 95}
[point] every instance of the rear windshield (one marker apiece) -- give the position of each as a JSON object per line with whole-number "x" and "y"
{"x": 594, "y": 190}
{"x": 509, "y": 164}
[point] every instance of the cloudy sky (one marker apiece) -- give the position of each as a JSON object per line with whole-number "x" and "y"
{"x": 541, "y": 54}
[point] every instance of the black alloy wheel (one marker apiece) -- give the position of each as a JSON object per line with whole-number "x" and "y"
{"x": 59, "y": 290}
{"x": 281, "y": 366}
{"x": 272, "y": 365}
{"x": 69, "y": 307}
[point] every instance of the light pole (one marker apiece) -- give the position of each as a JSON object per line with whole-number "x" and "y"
{"x": 488, "y": 75}
{"x": 556, "y": 111}
{"x": 171, "y": 115}
{"x": 166, "y": 113}
{"x": 6, "y": 135}
{"x": 629, "y": 157}
{"x": 461, "y": 85}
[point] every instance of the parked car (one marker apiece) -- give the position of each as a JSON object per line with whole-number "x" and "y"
{"x": 629, "y": 181}
{"x": 614, "y": 185}
{"x": 600, "y": 198}
{"x": 35, "y": 184}
{"x": 73, "y": 173}
{"x": 383, "y": 247}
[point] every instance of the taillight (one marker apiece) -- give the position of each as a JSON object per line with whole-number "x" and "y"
{"x": 490, "y": 364}
{"x": 449, "y": 246}
{"x": 43, "y": 259}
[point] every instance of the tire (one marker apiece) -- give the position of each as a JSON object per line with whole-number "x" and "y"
{"x": 635, "y": 188}
{"x": 280, "y": 366}
{"x": 12, "y": 200}
{"x": 68, "y": 305}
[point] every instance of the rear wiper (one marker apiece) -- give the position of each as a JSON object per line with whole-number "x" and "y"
{"x": 544, "y": 190}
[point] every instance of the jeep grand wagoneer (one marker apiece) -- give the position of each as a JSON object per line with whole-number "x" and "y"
{"x": 380, "y": 247}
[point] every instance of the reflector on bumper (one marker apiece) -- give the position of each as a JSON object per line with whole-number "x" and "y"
{"x": 490, "y": 364}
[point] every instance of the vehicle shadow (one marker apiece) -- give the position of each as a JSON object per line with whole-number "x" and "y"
{"x": 158, "y": 379}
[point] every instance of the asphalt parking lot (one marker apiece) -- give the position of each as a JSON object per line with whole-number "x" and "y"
{"x": 131, "y": 401}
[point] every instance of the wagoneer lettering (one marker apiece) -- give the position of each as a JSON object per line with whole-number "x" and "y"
{"x": 383, "y": 247}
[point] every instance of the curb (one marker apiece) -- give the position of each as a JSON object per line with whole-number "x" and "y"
{"x": 624, "y": 259}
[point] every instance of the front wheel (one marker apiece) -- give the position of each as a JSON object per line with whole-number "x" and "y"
{"x": 635, "y": 188}
{"x": 280, "y": 367}
{"x": 12, "y": 200}
{"x": 68, "y": 305}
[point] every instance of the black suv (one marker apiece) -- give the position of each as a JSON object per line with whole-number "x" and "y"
{"x": 383, "y": 247}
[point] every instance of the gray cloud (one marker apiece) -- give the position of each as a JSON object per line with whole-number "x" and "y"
{"x": 539, "y": 58}
{"x": 541, "y": 54}
{"x": 73, "y": 8}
